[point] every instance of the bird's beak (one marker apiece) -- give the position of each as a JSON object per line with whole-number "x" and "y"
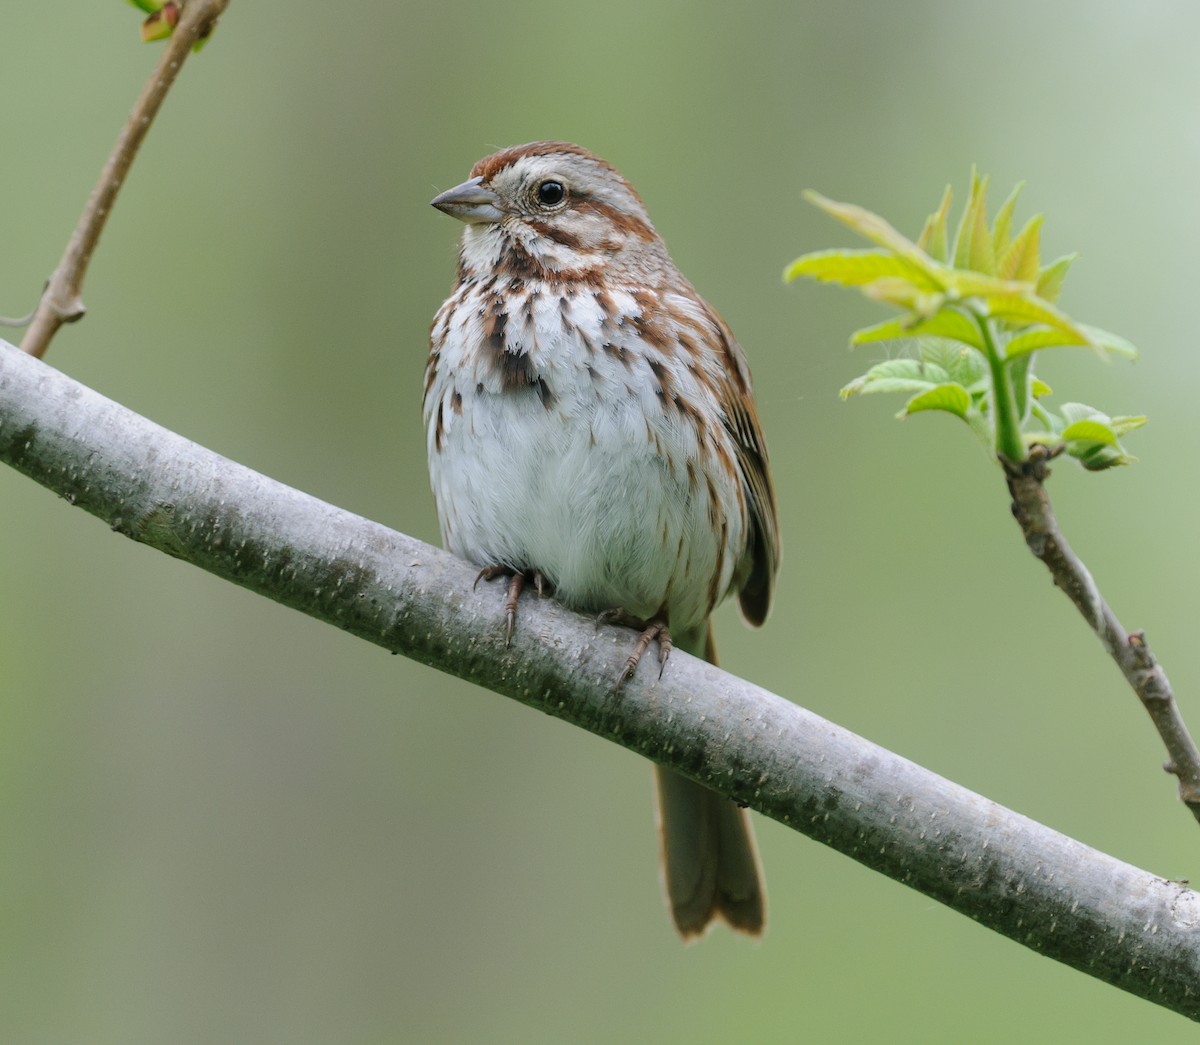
{"x": 470, "y": 202}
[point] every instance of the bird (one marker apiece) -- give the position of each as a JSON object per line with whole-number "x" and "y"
{"x": 592, "y": 431}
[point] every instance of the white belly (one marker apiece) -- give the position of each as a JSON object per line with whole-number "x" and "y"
{"x": 590, "y": 478}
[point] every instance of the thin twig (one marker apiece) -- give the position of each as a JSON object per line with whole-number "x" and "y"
{"x": 1035, "y": 515}
{"x": 1127, "y": 927}
{"x": 61, "y": 300}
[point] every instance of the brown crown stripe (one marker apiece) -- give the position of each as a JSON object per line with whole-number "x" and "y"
{"x": 489, "y": 166}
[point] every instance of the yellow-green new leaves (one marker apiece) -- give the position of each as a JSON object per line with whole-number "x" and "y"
{"x": 933, "y": 236}
{"x": 994, "y": 275}
{"x": 1090, "y": 436}
{"x": 854, "y": 268}
{"x": 945, "y": 376}
{"x": 987, "y": 295}
{"x": 162, "y": 17}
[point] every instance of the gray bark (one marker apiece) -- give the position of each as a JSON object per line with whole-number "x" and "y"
{"x": 1042, "y": 889}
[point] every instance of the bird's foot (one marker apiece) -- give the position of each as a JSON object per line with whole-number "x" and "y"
{"x": 649, "y": 631}
{"x": 517, "y": 579}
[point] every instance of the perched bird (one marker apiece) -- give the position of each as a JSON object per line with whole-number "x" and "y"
{"x": 592, "y": 430}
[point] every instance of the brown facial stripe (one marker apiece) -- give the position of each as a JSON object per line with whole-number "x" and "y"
{"x": 516, "y": 262}
{"x": 622, "y": 221}
{"x": 551, "y": 231}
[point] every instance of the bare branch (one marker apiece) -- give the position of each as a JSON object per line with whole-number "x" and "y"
{"x": 1035, "y": 515}
{"x": 61, "y": 301}
{"x": 1043, "y": 889}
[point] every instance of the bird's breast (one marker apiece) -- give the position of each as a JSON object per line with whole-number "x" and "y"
{"x": 562, "y": 439}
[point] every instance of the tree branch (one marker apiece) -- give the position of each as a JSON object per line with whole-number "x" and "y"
{"x": 61, "y": 301}
{"x": 1035, "y": 515}
{"x": 1048, "y": 892}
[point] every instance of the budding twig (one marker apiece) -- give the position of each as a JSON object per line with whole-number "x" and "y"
{"x": 1032, "y": 509}
{"x": 61, "y": 301}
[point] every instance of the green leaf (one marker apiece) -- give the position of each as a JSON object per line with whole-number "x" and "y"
{"x": 983, "y": 316}
{"x": 968, "y": 284}
{"x": 1050, "y": 279}
{"x": 1123, "y": 425}
{"x": 1002, "y": 226}
{"x": 949, "y": 396}
{"x": 960, "y": 363}
{"x": 1109, "y": 342}
{"x": 903, "y": 294}
{"x": 897, "y": 368}
{"x": 947, "y": 323}
{"x": 1099, "y": 458}
{"x": 1073, "y": 412}
{"x": 1090, "y": 430}
{"x": 892, "y": 375}
{"x": 877, "y": 230}
{"x": 1023, "y": 310}
{"x": 1092, "y": 437}
{"x": 1018, "y": 372}
{"x": 853, "y": 268}
{"x": 149, "y": 6}
{"x": 1041, "y": 337}
{"x": 933, "y": 235}
{"x": 1021, "y": 260}
{"x": 888, "y": 330}
{"x": 867, "y": 385}
{"x": 973, "y": 244}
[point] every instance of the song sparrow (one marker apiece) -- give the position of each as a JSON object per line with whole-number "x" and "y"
{"x": 591, "y": 428}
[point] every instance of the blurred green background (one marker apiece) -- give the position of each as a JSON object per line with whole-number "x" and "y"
{"x": 224, "y": 822}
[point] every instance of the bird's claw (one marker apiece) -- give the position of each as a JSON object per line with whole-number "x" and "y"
{"x": 516, "y": 584}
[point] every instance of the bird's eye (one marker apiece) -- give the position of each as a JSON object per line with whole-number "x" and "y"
{"x": 550, "y": 193}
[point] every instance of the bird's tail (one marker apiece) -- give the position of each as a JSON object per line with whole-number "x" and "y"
{"x": 710, "y": 862}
